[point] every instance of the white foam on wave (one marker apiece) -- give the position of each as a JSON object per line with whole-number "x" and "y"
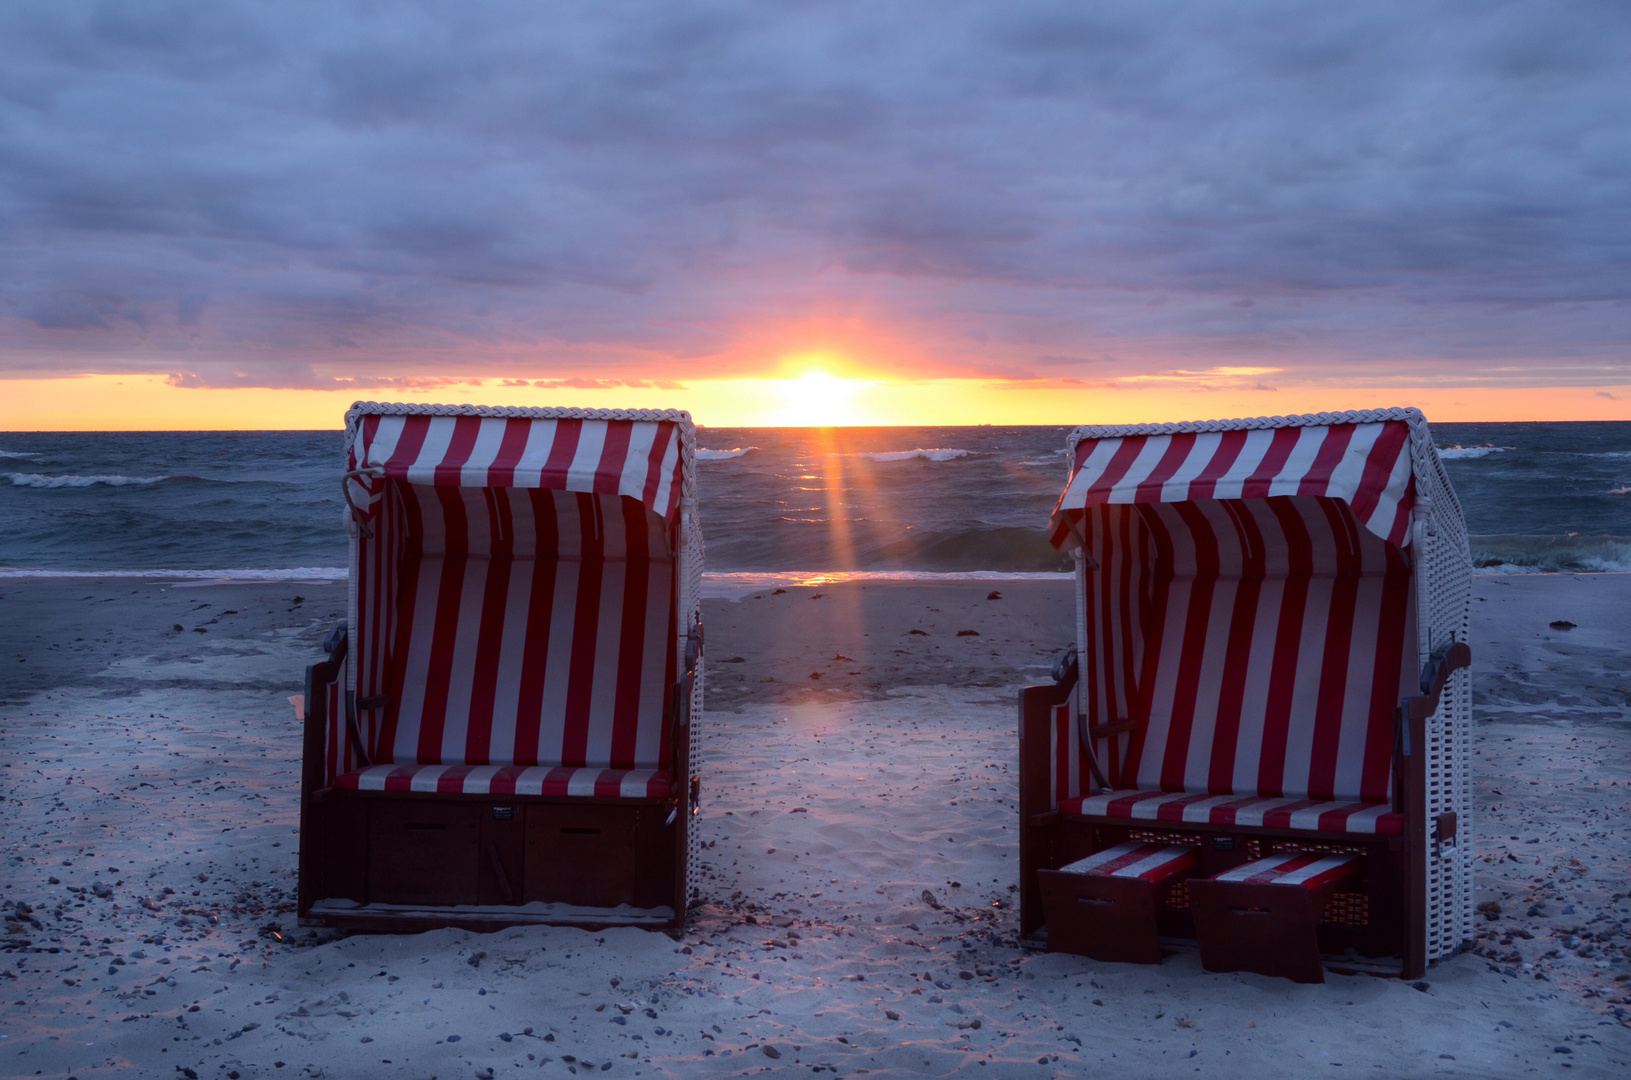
{"x": 1570, "y": 554}
{"x": 722, "y": 455}
{"x": 1453, "y": 452}
{"x": 730, "y": 585}
{"x": 40, "y": 480}
{"x": 295, "y": 573}
{"x": 934, "y": 454}
{"x": 18, "y": 455}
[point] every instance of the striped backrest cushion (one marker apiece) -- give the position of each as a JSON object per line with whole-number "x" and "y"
{"x": 525, "y": 626}
{"x": 1262, "y": 644}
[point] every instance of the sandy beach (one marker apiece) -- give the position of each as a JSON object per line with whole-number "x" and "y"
{"x": 858, "y": 866}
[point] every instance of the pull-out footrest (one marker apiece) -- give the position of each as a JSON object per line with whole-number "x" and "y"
{"x": 1262, "y": 916}
{"x": 1105, "y": 906}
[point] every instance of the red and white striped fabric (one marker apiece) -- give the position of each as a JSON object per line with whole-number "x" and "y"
{"x": 529, "y": 627}
{"x": 1311, "y": 870}
{"x": 1275, "y": 654}
{"x": 509, "y": 780}
{"x": 1261, "y": 646}
{"x": 1152, "y": 862}
{"x": 515, "y": 595}
{"x": 1367, "y": 465}
{"x": 1314, "y": 815}
{"x": 638, "y": 459}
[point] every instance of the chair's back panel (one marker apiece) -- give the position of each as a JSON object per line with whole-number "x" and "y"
{"x": 517, "y": 580}
{"x": 529, "y": 626}
{"x": 1271, "y": 640}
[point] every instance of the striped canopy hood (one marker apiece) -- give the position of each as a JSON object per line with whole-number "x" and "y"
{"x": 642, "y": 454}
{"x": 1362, "y": 458}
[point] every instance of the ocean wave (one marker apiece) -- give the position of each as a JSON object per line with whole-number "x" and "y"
{"x": 1455, "y": 452}
{"x": 294, "y": 573}
{"x": 41, "y": 480}
{"x": 19, "y": 455}
{"x": 936, "y": 454}
{"x": 1550, "y": 554}
{"x": 722, "y": 455}
{"x": 1623, "y": 489}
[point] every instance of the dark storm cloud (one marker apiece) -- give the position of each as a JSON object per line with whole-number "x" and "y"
{"x": 279, "y": 193}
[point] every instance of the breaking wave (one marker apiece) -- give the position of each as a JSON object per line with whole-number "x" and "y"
{"x": 1453, "y": 452}
{"x": 40, "y": 480}
{"x": 722, "y": 455}
{"x": 18, "y": 455}
{"x": 936, "y": 454}
{"x": 1550, "y": 554}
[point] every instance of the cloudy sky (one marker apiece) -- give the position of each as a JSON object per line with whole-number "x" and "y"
{"x": 280, "y": 194}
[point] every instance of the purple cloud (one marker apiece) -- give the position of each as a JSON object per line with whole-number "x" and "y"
{"x": 289, "y": 194}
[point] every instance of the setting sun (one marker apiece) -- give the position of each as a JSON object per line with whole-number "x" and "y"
{"x": 817, "y": 399}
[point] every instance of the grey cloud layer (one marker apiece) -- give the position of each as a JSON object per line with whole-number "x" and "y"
{"x": 258, "y": 191}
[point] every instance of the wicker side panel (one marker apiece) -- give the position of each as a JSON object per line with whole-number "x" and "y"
{"x": 691, "y": 553}
{"x": 1444, "y": 590}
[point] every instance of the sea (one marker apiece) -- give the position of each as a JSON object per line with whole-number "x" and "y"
{"x": 800, "y": 502}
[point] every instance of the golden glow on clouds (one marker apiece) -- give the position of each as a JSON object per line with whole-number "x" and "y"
{"x": 807, "y": 396}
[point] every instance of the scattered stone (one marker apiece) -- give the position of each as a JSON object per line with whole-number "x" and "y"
{"x": 993, "y": 595}
{"x": 892, "y": 1014}
{"x": 929, "y": 898}
{"x": 968, "y": 633}
{"x": 1561, "y": 624}
{"x": 770, "y": 1051}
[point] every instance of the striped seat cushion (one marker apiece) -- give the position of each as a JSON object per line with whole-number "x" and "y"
{"x": 1270, "y": 813}
{"x": 1311, "y": 870}
{"x": 510, "y": 780}
{"x": 1152, "y": 862}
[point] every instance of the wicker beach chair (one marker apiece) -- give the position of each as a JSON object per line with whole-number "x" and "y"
{"x": 1270, "y": 673}
{"x": 503, "y": 731}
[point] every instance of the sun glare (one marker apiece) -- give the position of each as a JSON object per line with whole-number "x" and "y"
{"x": 817, "y": 399}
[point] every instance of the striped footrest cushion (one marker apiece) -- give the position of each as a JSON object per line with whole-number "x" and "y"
{"x": 1152, "y": 862}
{"x": 589, "y": 782}
{"x": 1314, "y": 815}
{"x": 1311, "y": 870}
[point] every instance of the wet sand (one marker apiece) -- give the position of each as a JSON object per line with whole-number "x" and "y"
{"x": 153, "y": 774}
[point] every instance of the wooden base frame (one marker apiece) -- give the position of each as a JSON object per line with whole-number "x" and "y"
{"x": 399, "y": 861}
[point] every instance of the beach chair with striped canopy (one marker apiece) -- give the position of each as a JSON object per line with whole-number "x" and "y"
{"x": 1270, "y": 657}
{"x": 503, "y": 730}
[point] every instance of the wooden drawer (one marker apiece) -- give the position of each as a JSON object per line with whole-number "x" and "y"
{"x": 423, "y": 851}
{"x": 585, "y": 855}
